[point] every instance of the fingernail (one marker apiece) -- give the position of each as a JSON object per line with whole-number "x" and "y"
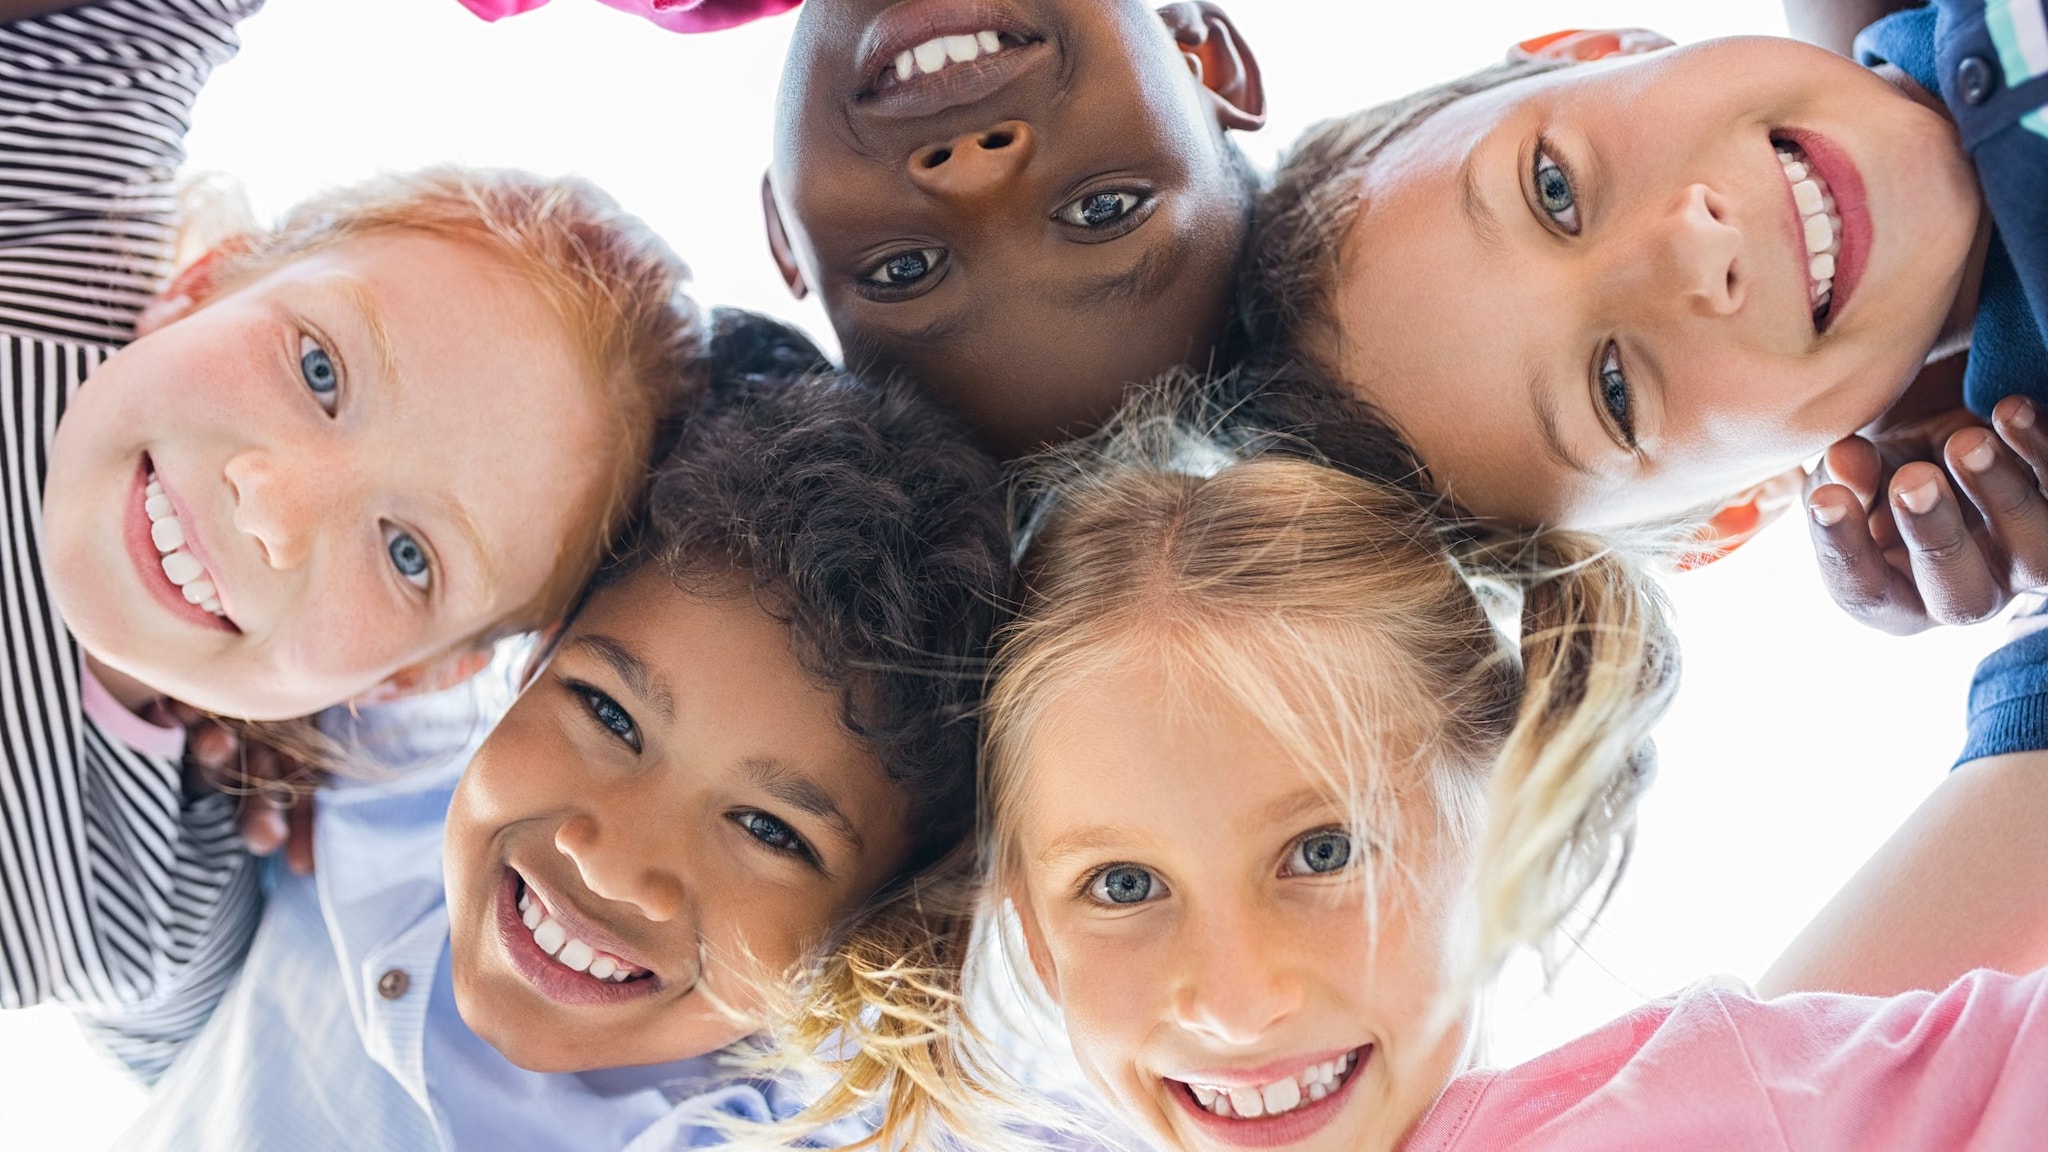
{"x": 1827, "y": 515}
{"x": 1979, "y": 459}
{"x": 1919, "y": 501}
{"x": 2023, "y": 414}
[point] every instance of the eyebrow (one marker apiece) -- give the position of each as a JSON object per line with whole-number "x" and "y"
{"x": 786, "y": 784}
{"x": 372, "y": 319}
{"x": 1081, "y": 841}
{"x": 473, "y": 534}
{"x": 631, "y": 669}
{"x": 1546, "y": 423}
{"x": 1485, "y": 225}
{"x": 1145, "y": 278}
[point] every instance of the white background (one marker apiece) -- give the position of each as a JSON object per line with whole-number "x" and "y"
{"x": 1799, "y": 742}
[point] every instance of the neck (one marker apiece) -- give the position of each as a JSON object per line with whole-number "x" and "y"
{"x": 133, "y": 694}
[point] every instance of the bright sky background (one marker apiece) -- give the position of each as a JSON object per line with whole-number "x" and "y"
{"x": 1800, "y": 739}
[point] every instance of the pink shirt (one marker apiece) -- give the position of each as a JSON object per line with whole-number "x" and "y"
{"x": 1715, "y": 1071}
{"x": 674, "y": 15}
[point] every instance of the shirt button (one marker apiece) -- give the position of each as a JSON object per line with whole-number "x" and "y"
{"x": 393, "y": 983}
{"x": 1975, "y": 80}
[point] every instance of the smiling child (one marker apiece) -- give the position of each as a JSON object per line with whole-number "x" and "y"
{"x": 1025, "y": 203}
{"x": 739, "y": 755}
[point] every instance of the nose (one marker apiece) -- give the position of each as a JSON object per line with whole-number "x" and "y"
{"x": 616, "y": 869}
{"x": 1236, "y": 981}
{"x": 282, "y": 497}
{"x": 976, "y": 166}
{"x": 1702, "y": 253}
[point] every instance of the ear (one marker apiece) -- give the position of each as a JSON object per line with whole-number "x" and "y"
{"x": 1222, "y": 62}
{"x": 1034, "y": 944}
{"x": 779, "y": 246}
{"x": 1744, "y": 515}
{"x": 1578, "y": 45}
{"x": 194, "y": 285}
{"x": 428, "y": 676}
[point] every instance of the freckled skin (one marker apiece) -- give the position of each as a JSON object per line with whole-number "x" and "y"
{"x": 993, "y": 328}
{"x": 293, "y": 506}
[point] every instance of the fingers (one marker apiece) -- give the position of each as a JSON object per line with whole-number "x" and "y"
{"x": 1955, "y": 580}
{"x": 1854, "y": 463}
{"x": 2019, "y": 425}
{"x": 265, "y": 827}
{"x": 1854, "y": 568}
{"x": 298, "y": 848}
{"x": 2007, "y": 494}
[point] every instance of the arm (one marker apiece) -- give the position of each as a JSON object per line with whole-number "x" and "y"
{"x": 1833, "y": 24}
{"x": 1962, "y": 885}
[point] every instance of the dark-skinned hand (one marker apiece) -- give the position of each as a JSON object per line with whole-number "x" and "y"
{"x": 275, "y": 788}
{"x": 1900, "y": 551}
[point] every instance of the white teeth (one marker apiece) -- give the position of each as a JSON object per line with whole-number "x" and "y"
{"x": 180, "y": 567}
{"x": 576, "y": 956}
{"x": 1820, "y": 234}
{"x": 1280, "y": 1096}
{"x": 1807, "y": 195}
{"x": 1821, "y": 267}
{"x": 961, "y": 49}
{"x": 550, "y": 936}
{"x": 603, "y": 967}
{"x": 936, "y": 54}
{"x": 1794, "y": 170}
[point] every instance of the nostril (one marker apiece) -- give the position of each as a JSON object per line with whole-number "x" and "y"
{"x": 936, "y": 157}
{"x": 995, "y": 140}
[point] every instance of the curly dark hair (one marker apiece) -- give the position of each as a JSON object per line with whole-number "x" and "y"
{"x": 870, "y": 526}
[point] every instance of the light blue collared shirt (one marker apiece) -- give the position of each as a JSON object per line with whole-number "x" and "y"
{"x": 342, "y": 1033}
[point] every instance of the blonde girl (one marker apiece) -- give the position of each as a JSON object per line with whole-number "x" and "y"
{"x": 1267, "y": 790}
{"x": 324, "y": 462}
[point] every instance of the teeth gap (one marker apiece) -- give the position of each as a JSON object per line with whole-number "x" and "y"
{"x": 942, "y": 52}
{"x": 1308, "y": 1086}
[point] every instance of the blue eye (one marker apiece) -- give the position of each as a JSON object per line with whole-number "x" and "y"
{"x": 608, "y": 713}
{"x": 407, "y": 556}
{"x": 317, "y": 368}
{"x": 1123, "y": 884}
{"x": 1554, "y": 194}
{"x": 1320, "y": 853}
{"x": 775, "y": 834}
{"x": 1615, "y": 394}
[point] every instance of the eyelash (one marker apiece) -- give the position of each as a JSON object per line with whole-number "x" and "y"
{"x": 1546, "y": 159}
{"x": 1139, "y": 211}
{"x": 1624, "y": 421}
{"x": 595, "y": 704}
{"x": 799, "y": 848}
{"x": 935, "y": 266}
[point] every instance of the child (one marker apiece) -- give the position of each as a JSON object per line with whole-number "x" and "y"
{"x": 743, "y": 750}
{"x": 1025, "y": 206}
{"x": 293, "y": 489}
{"x": 1262, "y": 775}
{"x": 1625, "y": 291}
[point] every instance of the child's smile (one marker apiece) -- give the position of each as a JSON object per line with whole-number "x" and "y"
{"x": 1622, "y": 291}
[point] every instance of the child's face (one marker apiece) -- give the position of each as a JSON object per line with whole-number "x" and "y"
{"x": 1196, "y": 908}
{"x": 1025, "y": 231}
{"x": 686, "y": 808}
{"x": 1589, "y": 297}
{"x": 365, "y": 458}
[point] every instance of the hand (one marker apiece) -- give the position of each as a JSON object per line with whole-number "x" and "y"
{"x": 1921, "y": 557}
{"x": 275, "y": 788}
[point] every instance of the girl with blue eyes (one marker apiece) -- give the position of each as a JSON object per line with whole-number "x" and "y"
{"x": 733, "y": 767}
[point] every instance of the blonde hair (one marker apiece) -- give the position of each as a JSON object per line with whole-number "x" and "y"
{"x": 1354, "y": 620}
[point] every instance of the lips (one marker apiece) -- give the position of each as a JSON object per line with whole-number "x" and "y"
{"x": 1305, "y": 1095}
{"x": 920, "y": 30}
{"x": 547, "y": 973}
{"x": 140, "y": 535}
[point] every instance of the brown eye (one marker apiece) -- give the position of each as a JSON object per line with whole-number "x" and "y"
{"x": 905, "y": 268}
{"x": 1100, "y": 209}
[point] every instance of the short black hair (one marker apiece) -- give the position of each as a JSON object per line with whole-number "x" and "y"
{"x": 870, "y": 525}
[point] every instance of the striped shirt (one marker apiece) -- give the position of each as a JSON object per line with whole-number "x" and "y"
{"x": 119, "y": 893}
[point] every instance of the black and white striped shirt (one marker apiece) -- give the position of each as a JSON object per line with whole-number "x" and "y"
{"x": 119, "y": 894}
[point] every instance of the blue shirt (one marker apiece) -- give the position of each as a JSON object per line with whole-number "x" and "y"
{"x": 1989, "y": 61}
{"x": 342, "y": 1031}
